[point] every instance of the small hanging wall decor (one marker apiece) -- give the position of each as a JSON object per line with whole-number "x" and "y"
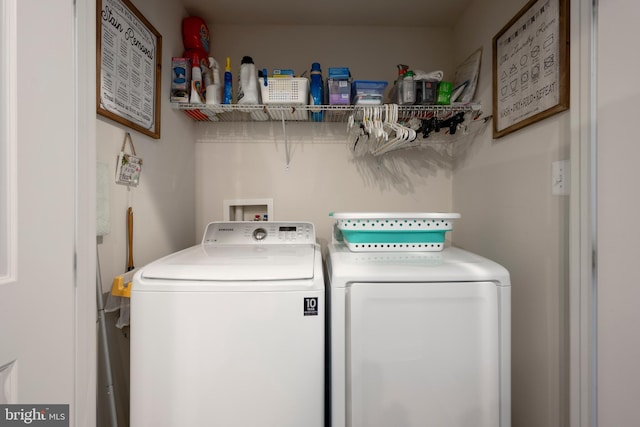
{"x": 128, "y": 166}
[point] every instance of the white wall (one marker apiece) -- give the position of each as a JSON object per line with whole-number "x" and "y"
{"x": 618, "y": 151}
{"x": 164, "y": 201}
{"x": 502, "y": 188}
{"x": 322, "y": 177}
{"x": 238, "y": 161}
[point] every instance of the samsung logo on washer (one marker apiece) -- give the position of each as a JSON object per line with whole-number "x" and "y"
{"x": 225, "y": 229}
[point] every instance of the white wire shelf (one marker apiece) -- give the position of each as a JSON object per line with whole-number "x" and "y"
{"x": 447, "y": 130}
{"x": 330, "y": 113}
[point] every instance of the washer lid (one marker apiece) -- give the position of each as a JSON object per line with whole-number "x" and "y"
{"x": 236, "y": 263}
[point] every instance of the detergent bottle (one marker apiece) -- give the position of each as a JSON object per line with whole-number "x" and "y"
{"x": 316, "y": 91}
{"x": 228, "y": 83}
{"x": 248, "y": 82}
{"x": 196, "y": 85}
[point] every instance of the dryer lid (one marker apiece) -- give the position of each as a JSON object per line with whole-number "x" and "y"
{"x": 235, "y": 263}
{"x": 450, "y": 265}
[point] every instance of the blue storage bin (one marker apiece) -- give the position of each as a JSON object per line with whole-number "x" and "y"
{"x": 367, "y": 92}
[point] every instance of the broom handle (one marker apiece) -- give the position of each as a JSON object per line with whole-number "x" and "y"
{"x": 130, "y": 238}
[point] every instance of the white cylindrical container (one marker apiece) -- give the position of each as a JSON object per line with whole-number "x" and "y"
{"x": 214, "y": 90}
{"x": 196, "y": 85}
{"x": 408, "y": 88}
{"x": 248, "y": 82}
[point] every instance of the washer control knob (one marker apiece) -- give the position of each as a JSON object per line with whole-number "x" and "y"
{"x": 259, "y": 234}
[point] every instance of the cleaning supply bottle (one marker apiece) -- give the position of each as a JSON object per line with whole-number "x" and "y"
{"x": 248, "y": 82}
{"x": 408, "y": 88}
{"x": 228, "y": 83}
{"x": 213, "y": 93}
{"x": 316, "y": 92}
{"x": 396, "y": 91}
{"x": 196, "y": 85}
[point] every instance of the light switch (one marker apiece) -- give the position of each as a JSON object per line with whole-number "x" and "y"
{"x": 560, "y": 172}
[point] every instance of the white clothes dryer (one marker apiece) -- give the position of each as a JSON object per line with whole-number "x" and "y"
{"x": 418, "y": 339}
{"x": 231, "y": 332}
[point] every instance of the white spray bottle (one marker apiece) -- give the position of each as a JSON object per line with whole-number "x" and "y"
{"x": 214, "y": 89}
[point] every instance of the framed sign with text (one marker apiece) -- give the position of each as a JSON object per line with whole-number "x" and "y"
{"x": 129, "y": 58}
{"x": 531, "y": 66}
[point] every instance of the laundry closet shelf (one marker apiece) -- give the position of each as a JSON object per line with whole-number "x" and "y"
{"x": 331, "y": 113}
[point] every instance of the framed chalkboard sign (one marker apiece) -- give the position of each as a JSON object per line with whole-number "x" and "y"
{"x": 129, "y": 57}
{"x": 531, "y": 66}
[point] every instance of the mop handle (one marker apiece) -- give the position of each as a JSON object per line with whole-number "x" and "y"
{"x": 130, "y": 238}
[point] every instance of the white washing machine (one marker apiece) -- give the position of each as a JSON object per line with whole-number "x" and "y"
{"x": 418, "y": 339}
{"x": 231, "y": 332}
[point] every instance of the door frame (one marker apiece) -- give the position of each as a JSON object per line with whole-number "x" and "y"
{"x": 582, "y": 295}
{"x": 8, "y": 105}
{"x": 582, "y": 229}
{"x": 85, "y": 215}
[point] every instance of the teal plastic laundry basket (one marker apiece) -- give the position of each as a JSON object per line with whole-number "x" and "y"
{"x": 384, "y": 232}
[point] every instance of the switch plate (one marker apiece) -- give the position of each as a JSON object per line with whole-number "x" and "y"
{"x": 560, "y": 172}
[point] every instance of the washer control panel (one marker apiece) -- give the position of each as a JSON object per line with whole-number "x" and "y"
{"x": 259, "y": 233}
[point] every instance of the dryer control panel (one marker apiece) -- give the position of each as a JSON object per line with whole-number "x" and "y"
{"x": 259, "y": 233}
